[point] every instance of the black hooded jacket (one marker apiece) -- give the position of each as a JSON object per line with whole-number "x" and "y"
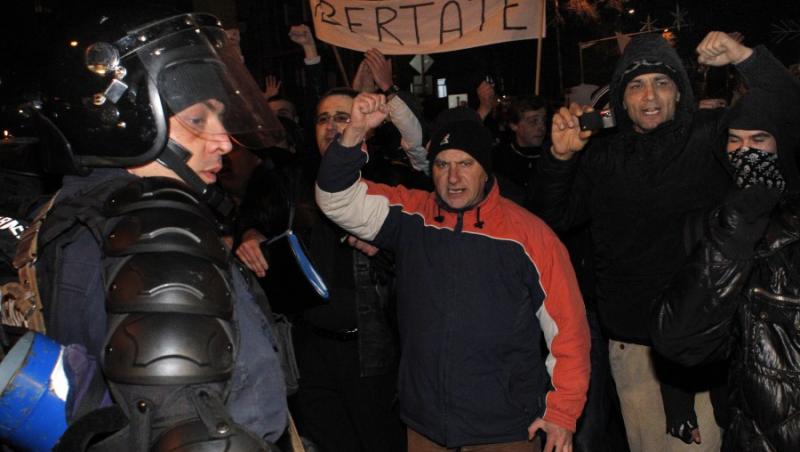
{"x": 635, "y": 190}
{"x": 748, "y": 309}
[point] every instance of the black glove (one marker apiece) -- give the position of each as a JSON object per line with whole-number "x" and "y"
{"x": 737, "y": 225}
{"x": 683, "y": 430}
{"x": 678, "y": 401}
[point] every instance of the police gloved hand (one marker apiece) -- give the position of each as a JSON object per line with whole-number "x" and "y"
{"x": 737, "y": 225}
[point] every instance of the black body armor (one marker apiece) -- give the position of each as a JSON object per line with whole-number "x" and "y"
{"x": 171, "y": 343}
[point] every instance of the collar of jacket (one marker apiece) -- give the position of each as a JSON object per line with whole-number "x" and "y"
{"x": 527, "y": 152}
{"x": 474, "y": 215}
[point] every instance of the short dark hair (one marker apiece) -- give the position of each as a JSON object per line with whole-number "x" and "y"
{"x": 338, "y": 91}
{"x": 520, "y": 105}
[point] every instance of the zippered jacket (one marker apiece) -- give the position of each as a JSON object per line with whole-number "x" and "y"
{"x": 476, "y": 290}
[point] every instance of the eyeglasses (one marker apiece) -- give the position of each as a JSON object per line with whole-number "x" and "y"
{"x": 338, "y": 118}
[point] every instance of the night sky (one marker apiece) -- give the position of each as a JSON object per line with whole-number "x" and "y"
{"x": 32, "y": 24}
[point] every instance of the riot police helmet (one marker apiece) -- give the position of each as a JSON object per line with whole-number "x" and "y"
{"x": 118, "y": 82}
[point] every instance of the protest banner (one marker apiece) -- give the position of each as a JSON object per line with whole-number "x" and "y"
{"x": 409, "y": 27}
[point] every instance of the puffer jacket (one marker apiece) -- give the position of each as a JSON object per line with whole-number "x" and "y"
{"x": 748, "y": 310}
{"x": 476, "y": 291}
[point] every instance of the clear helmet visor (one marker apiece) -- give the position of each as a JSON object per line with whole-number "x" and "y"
{"x": 201, "y": 78}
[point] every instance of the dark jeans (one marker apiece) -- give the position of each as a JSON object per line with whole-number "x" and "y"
{"x": 338, "y": 409}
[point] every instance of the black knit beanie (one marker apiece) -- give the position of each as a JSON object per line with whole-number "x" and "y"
{"x": 753, "y": 112}
{"x": 465, "y": 135}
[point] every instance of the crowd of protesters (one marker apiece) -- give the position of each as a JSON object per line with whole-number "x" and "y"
{"x": 623, "y": 208}
{"x": 505, "y": 278}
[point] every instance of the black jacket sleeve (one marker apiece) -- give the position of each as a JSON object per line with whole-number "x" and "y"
{"x": 694, "y": 317}
{"x": 314, "y": 86}
{"x": 763, "y": 70}
{"x": 561, "y": 191}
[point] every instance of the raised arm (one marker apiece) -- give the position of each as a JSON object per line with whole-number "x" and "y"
{"x": 315, "y": 84}
{"x": 302, "y": 36}
{"x": 757, "y": 66}
{"x": 562, "y": 187}
{"x": 404, "y": 112}
{"x": 340, "y": 192}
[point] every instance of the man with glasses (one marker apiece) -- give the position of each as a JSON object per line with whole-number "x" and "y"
{"x": 333, "y": 115}
{"x": 346, "y": 348}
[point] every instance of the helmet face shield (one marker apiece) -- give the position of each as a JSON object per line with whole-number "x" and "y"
{"x": 204, "y": 119}
{"x": 110, "y": 101}
{"x": 203, "y": 82}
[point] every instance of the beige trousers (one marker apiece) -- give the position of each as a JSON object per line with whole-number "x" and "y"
{"x": 643, "y": 409}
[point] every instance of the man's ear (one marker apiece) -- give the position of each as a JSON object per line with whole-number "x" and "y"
{"x": 513, "y": 126}
{"x": 678, "y": 97}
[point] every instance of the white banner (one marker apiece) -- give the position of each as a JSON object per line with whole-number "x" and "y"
{"x": 408, "y": 27}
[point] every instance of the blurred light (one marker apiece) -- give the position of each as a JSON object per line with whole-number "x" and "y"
{"x": 441, "y": 88}
{"x": 669, "y": 36}
{"x": 73, "y": 43}
{"x": 631, "y": 11}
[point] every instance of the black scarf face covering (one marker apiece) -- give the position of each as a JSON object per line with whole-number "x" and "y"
{"x": 755, "y": 166}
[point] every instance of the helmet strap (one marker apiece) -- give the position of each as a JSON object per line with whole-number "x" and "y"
{"x": 174, "y": 156}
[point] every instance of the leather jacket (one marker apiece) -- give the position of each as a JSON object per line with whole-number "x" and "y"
{"x": 748, "y": 310}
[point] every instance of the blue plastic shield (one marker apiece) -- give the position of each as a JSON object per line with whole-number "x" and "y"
{"x": 34, "y": 392}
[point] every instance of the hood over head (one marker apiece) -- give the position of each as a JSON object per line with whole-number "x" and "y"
{"x": 645, "y": 54}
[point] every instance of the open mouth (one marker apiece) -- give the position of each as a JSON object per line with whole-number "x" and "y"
{"x": 210, "y": 175}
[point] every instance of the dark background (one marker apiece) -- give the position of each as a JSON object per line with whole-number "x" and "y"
{"x": 31, "y": 27}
